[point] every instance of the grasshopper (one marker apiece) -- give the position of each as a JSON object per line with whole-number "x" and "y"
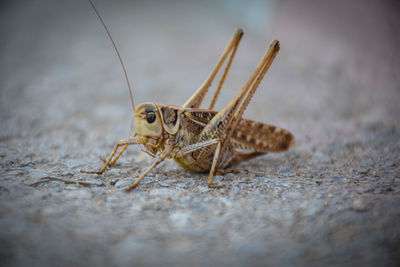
{"x": 203, "y": 140}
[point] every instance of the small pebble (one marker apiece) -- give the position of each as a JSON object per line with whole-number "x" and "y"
{"x": 358, "y": 204}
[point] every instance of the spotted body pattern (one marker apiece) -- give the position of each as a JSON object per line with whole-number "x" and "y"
{"x": 250, "y": 138}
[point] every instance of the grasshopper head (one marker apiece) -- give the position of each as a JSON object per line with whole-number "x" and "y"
{"x": 148, "y": 123}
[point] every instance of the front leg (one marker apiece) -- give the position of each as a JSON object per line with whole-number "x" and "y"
{"x": 110, "y": 161}
{"x": 160, "y": 159}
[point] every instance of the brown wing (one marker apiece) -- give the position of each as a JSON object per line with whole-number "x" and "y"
{"x": 260, "y": 137}
{"x": 249, "y": 135}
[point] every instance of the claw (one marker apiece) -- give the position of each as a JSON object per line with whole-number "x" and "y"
{"x": 102, "y": 159}
{"x": 93, "y": 172}
{"x": 130, "y": 187}
{"x": 216, "y": 186}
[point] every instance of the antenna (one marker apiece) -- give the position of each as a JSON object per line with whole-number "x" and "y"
{"x": 116, "y": 50}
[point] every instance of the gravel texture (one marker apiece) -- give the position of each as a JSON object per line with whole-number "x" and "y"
{"x": 334, "y": 199}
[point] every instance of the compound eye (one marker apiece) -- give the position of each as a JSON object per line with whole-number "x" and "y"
{"x": 150, "y": 116}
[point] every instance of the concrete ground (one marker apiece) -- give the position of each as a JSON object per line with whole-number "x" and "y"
{"x": 333, "y": 199}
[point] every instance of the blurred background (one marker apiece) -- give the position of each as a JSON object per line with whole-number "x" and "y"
{"x": 338, "y": 59}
